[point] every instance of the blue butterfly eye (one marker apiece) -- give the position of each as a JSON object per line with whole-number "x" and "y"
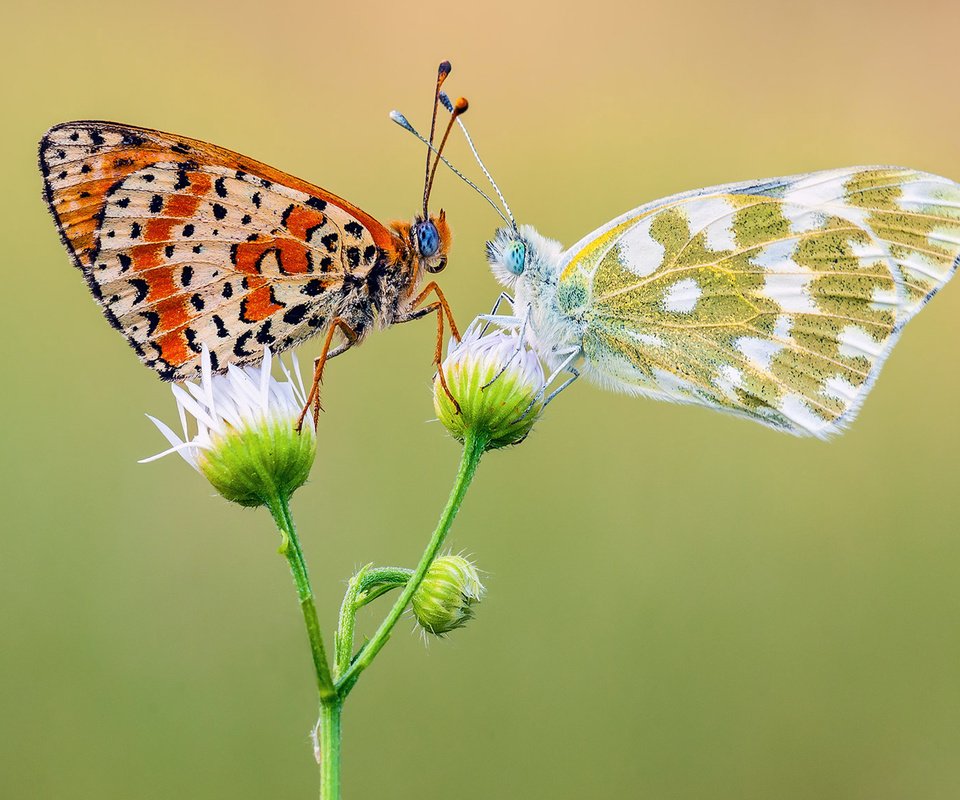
{"x": 516, "y": 256}
{"x": 428, "y": 240}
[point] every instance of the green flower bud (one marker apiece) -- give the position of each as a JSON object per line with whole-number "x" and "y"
{"x": 445, "y": 599}
{"x": 498, "y": 383}
{"x": 246, "y": 442}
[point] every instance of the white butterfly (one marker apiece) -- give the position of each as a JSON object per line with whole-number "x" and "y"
{"x": 776, "y": 300}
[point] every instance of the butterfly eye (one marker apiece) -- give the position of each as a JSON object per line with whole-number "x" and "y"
{"x": 516, "y": 256}
{"x": 428, "y": 240}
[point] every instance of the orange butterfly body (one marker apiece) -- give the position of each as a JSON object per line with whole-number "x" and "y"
{"x": 184, "y": 243}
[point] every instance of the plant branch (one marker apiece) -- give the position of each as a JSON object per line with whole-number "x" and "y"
{"x": 280, "y": 509}
{"x": 473, "y": 449}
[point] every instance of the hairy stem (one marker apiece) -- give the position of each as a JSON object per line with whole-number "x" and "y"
{"x": 280, "y": 508}
{"x": 473, "y": 449}
{"x": 329, "y": 737}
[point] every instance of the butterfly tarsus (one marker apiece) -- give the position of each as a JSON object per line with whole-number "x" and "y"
{"x": 516, "y": 352}
{"x": 565, "y": 366}
{"x": 313, "y": 398}
{"x": 441, "y": 308}
{"x": 503, "y": 298}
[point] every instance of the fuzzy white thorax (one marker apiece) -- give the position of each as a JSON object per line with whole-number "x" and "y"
{"x": 534, "y": 290}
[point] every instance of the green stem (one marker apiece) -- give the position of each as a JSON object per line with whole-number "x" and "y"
{"x": 473, "y": 449}
{"x": 280, "y": 508}
{"x": 364, "y": 587}
{"x": 330, "y": 750}
{"x": 343, "y": 650}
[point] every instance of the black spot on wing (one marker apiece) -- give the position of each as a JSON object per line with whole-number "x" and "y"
{"x": 131, "y": 139}
{"x": 142, "y": 288}
{"x": 312, "y": 288}
{"x": 354, "y": 228}
{"x": 191, "y": 336}
{"x": 153, "y": 319}
{"x": 241, "y": 343}
{"x": 263, "y": 334}
{"x": 295, "y": 315}
{"x": 222, "y": 331}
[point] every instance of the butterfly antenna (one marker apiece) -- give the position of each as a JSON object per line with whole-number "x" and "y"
{"x": 473, "y": 148}
{"x": 401, "y": 120}
{"x": 460, "y": 107}
{"x": 442, "y": 71}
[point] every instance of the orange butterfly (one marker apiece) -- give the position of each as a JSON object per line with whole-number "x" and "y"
{"x": 184, "y": 243}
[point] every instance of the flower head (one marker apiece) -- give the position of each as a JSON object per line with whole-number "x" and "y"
{"x": 498, "y": 384}
{"x": 246, "y": 441}
{"x": 444, "y": 600}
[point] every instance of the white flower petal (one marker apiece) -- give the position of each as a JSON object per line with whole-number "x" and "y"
{"x": 241, "y": 398}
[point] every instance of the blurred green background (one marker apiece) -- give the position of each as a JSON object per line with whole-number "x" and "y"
{"x": 680, "y": 605}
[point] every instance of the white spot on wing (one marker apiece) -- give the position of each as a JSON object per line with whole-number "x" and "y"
{"x": 777, "y": 256}
{"x": 924, "y": 266}
{"x": 759, "y": 352}
{"x": 682, "y": 296}
{"x": 801, "y": 219}
{"x": 713, "y": 216}
{"x": 932, "y": 195}
{"x": 855, "y": 341}
{"x": 728, "y": 380}
{"x": 783, "y": 327}
{"x": 638, "y": 251}
{"x": 884, "y": 299}
{"x": 795, "y": 408}
{"x": 790, "y": 291}
{"x": 840, "y": 389}
{"x": 867, "y": 252}
{"x": 825, "y": 191}
{"x": 648, "y": 339}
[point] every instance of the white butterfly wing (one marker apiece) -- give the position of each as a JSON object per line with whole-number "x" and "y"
{"x": 777, "y": 300}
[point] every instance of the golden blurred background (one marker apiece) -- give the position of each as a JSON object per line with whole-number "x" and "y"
{"x": 681, "y": 605}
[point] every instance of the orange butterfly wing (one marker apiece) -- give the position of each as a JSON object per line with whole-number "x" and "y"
{"x": 185, "y": 243}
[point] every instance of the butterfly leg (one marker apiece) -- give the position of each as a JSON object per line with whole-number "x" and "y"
{"x": 313, "y": 398}
{"x": 503, "y": 298}
{"x": 441, "y": 308}
{"x": 519, "y": 349}
{"x": 565, "y": 366}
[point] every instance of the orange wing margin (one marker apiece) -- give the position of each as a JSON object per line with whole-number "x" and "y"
{"x": 124, "y": 149}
